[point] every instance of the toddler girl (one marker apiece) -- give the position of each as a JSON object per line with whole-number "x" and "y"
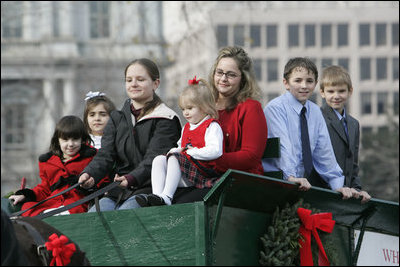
{"x": 192, "y": 162}
{"x": 59, "y": 169}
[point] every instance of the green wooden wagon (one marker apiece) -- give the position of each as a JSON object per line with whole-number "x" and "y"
{"x": 225, "y": 228}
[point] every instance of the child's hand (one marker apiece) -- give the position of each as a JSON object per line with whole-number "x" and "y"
{"x": 365, "y": 197}
{"x": 303, "y": 183}
{"x": 346, "y": 192}
{"x": 86, "y": 180}
{"x": 122, "y": 179}
{"x": 17, "y": 199}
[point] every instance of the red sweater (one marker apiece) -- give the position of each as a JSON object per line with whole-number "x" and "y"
{"x": 245, "y": 137}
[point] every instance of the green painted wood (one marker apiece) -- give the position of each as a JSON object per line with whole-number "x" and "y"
{"x": 263, "y": 194}
{"x": 250, "y": 200}
{"x": 165, "y": 236}
{"x": 184, "y": 234}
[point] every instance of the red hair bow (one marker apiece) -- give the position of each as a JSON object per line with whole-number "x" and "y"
{"x": 194, "y": 81}
{"x": 61, "y": 252}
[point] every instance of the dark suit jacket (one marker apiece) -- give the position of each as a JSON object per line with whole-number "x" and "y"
{"x": 346, "y": 152}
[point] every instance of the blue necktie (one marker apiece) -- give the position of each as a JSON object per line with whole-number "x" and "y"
{"x": 305, "y": 143}
{"x": 344, "y": 123}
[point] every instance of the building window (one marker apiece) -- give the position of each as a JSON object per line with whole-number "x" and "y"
{"x": 344, "y": 62}
{"x": 395, "y": 68}
{"x": 326, "y": 62}
{"x": 366, "y": 103}
{"x": 366, "y": 130}
{"x": 381, "y": 68}
{"x": 382, "y": 102}
{"x": 257, "y": 69}
{"x": 293, "y": 35}
{"x": 11, "y": 19}
{"x": 395, "y": 34}
{"x": 272, "y": 35}
{"x": 364, "y": 35}
{"x": 238, "y": 35}
{"x": 396, "y": 103}
{"x": 14, "y": 130}
{"x": 272, "y": 70}
{"x": 365, "y": 69}
{"x": 343, "y": 38}
{"x": 222, "y": 35}
{"x": 383, "y": 130}
{"x": 99, "y": 19}
{"x": 380, "y": 34}
{"x": 255, "y": 35}
{"x": 309, "y": 33}
{"x": 326, "y": 35}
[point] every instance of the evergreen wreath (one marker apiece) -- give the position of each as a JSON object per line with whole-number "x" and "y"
{"x": 280, "y": 243}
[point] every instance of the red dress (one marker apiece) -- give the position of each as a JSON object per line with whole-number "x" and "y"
{"x": 200, "y": 172}
{"x": 245, "y": 137}
{"x": 57, "y": 176}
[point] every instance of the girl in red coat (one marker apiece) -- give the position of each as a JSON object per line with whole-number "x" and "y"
{"x": 192, "y": 163}
{"x": 59, "y": 169}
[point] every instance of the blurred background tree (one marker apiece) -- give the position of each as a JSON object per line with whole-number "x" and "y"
{"x": 379, "y": 166}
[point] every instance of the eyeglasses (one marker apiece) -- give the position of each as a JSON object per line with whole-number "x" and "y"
{"x": 229, "y": 74}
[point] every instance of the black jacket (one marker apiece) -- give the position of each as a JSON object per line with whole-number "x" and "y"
{"x": 129, "y": 147}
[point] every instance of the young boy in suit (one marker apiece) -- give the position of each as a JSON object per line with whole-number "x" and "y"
{"x": 344, "y": 130}
{"x": 307, "y": 156}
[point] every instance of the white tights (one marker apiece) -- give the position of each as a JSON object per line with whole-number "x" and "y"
{"x": 166, "y": 176}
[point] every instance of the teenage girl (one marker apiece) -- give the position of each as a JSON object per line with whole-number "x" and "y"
{"x": 192, "y": 162}
{"x": 59, "y": 169}
{"x": 95, "y": 117}
{"x": 144, "y": 128}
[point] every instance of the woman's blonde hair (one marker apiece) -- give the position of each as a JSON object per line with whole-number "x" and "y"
{"x": 248, "y": 84}
{"x": 200, "y": 95}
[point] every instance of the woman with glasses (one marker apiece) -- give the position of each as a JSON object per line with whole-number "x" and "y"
{"x": 240, "y": 115}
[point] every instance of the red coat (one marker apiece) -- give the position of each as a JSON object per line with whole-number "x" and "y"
{"x": 245, "y": 137}
{"x": 53, "y": 173}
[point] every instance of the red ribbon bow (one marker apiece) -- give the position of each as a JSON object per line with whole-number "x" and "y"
{"x": 194, "y": 81}
{"x": 61, "y": 252}
{"x": 321, "y": 221}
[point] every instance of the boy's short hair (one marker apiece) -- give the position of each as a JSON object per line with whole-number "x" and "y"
{"x": 335, "y": 75}
{"x": 300, "y": 62}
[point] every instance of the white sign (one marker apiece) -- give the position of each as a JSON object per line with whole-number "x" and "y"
{"x": 377, "y": 249}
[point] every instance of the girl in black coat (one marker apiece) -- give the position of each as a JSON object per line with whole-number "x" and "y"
{"x": 144, "y": 128}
